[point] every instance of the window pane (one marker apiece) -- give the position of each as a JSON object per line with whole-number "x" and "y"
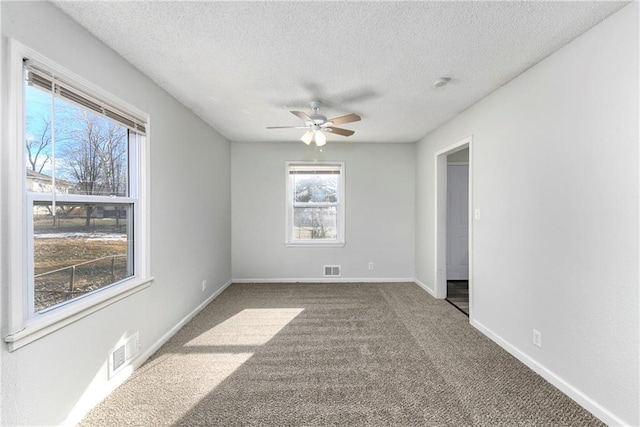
{"x": 315, "y": 223}
{"x": 83, "y": 248}
{"x": 91, "y": 151}
{"x": 38, "y": 140}
{"x": 315, "y": 188}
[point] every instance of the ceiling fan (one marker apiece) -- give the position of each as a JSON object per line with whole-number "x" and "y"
{"x": 316, "y": 124}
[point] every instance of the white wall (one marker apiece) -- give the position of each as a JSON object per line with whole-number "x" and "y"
{"x": 65, "y": 371}
{"x": 379, "y": 212}
{"x": 555, "y": 174}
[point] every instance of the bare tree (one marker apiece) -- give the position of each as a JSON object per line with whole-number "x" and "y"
{"x": 114, "y": 160}
{"x": 38, "y": 146}
{"x": 318, "y": 189}
{"x": 95, "y": 157}
{"x": 115, "y": 163}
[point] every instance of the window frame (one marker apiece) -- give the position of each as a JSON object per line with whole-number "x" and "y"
{"x": 24, "y": 326}
{"x": 290, "y": 204}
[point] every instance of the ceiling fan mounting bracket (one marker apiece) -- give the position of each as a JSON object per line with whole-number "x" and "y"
{"x": 315, "y": 105}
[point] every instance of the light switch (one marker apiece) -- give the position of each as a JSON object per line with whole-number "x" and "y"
{"x": 476, "y": 214}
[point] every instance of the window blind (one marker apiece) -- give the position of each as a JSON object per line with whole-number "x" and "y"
{"x": 47, "y": 81}
{"x": 314, "y": 170}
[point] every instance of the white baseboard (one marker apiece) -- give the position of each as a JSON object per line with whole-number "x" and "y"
{"x": 582, "y": 399}
{"x": 425, "y": 287}
{"x": 82, "y": 409}
{"x": 156, "y": 346}
{"x": 327, "y": 280}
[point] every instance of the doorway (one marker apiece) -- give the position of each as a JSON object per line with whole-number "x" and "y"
{"x": 453, "y": 226}
{"x": 458, "y": 230}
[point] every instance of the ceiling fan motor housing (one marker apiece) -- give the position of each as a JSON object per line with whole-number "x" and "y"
{"x": 318, "y": 119}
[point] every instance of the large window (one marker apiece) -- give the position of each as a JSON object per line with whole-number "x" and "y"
{"x": 315, "y": 204}
{"x": 83, "y": 185}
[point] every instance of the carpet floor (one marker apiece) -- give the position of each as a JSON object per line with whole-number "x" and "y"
{"x": 334, "y": 354}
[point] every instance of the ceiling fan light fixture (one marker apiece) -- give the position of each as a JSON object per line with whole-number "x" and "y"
{"x": 321, "y": 139}
{"x": 307, "y": 137}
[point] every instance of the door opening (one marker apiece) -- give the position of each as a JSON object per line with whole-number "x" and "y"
{"x": 458, "y": 230}
{"x": 453, "y": 273}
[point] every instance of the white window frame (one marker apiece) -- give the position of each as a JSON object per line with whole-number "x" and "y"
{"x": 25, "y": 327}
{"x": 290, "y": 240}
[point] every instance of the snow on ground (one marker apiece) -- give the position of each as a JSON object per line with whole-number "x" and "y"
{"x": 91, "y": 236}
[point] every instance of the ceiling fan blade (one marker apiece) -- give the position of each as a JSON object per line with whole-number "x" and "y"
{"x": 301, "y": 115}
{"x": 286, "y": 127}
{"x": 348, "y": 118}
{"x": 339, "y": 131}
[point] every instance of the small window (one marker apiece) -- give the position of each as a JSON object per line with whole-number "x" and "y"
{"x": 315, "y": 204}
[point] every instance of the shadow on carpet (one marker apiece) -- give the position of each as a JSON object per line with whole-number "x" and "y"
{"x": 334, "y": 354}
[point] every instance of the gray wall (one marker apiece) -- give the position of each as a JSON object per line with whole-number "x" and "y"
{"x": 555, "y": 175}
{"x": 379, "y": 212}
{"x": 43, "y": 382}
{"x": 461, "y": 156}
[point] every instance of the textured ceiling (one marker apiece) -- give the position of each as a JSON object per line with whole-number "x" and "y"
{"x": 241, "y": 66}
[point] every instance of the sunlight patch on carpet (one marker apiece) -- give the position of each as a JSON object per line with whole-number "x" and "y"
{"x": 251, "y": 326}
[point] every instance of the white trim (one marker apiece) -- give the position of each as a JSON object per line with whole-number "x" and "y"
{"x": 82, "y": 408}
{"x": 142, "y": 232}
{"x": 440, "y": 209}
{"x": 82, "y": 307}
{"x": 425, "y": 287}
{"x": 440, "y": 240}
{"x": 315, "y": 243}
{"x": 340, "y": 241}
{"x": 5, "y": 250}
{"x": 564, "y": 386}
{"x": 326, "y": 280}
{"x": 23, "y": 327}
{"x": 80, "y": 198}
{"x": 16, "y": 195}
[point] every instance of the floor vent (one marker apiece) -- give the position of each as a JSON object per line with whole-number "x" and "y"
{"x": 331, "y": 271}
{"x": 123, "y": 354}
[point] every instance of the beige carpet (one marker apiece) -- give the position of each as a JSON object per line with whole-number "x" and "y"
{"x": 334, "y": 354}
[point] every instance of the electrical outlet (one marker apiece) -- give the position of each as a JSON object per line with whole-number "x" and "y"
{"x": 204, "y": 285}
{"x": 370, "y": 266}
{"x": 537, "y": 338}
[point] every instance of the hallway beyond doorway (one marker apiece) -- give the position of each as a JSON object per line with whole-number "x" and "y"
{"x": 458, "y": 294}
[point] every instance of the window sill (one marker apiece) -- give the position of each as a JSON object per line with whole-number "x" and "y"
{"x": 332, "y": 244}
{"x": 59, "y": 318}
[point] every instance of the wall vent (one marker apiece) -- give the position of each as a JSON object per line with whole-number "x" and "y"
{"x": 122, "y": 355}
{"x": 331, "y": 271}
